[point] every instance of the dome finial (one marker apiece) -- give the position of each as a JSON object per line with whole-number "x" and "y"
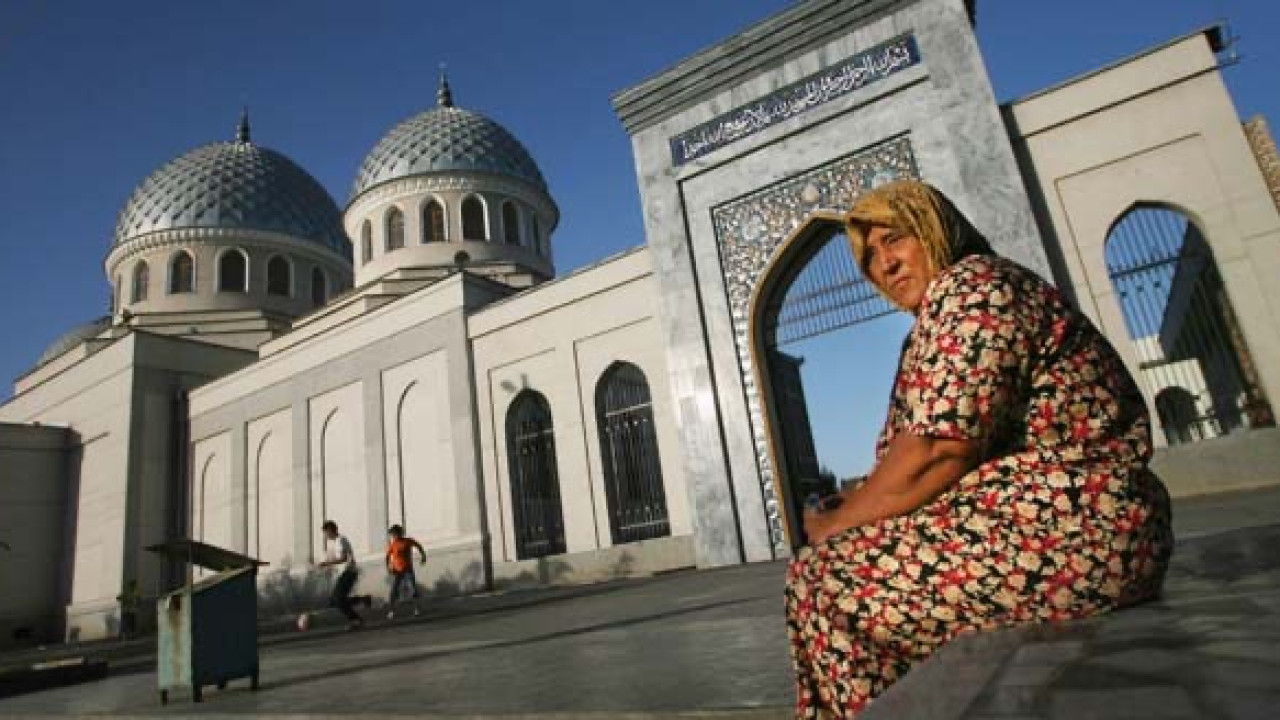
{"x": 444, "y": 96}
{"x": 242, "y": 130}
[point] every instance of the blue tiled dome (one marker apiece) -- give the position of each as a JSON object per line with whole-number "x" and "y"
{"x": 234, "y": 185}
{"x": 442, "y": 139}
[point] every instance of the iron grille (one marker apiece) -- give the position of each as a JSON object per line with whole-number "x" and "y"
{"x": 1192, "y": 359}
{"x": 629, "y": 452}
{"x": 535, "y": 483}
{"x": 829, "y": 293}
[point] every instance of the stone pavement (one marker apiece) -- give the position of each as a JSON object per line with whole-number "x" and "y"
{"x": 712, "y": 644}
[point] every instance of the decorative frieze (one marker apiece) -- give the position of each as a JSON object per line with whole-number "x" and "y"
{"x": 852, "y": 74}
{"x": 749, "y": 230}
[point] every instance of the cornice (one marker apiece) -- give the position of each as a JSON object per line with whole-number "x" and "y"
{"x": 418, "y": 185}
{"x": 226, "y": 237}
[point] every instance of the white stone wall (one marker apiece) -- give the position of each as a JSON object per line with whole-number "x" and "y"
{"x": 34, "y": 487}
{"x": 212, "y": 497}
{"x": 422, "y": 490}
{"x": 1158, "y": 129}
{"x": 366, "y": 422}
{"x": 339, "y": 477}
{"x": 117, "y": 405}
{"x": 272, "y": 523}
{"x": 94, "y": 398}
{"x": 559, "y": 341}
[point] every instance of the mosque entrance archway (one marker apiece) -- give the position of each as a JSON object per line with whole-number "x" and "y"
{"x": 764, "y": 240}
{"x": 824, "y": 348}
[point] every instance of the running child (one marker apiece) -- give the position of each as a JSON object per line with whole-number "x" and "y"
{"x": 400, "y": 565}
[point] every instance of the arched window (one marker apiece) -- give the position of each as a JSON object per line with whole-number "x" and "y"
{"x": 535, "y": 483}
{"x": 1184, "y": 331}
{"x": 433, "y": 222}
{"x": 319, "y": 287}
{"x": 473, "y": 219}
{"x": 141, "y": 278}
{"x": 629, "y": 453}
{"x": 279, "y": 277}
{"x": 182, "y": 273}
{"x": 233, "y": 272}
{"x": 366, "y": 242}
{"x": 395, "y": 229}
{"x": 510, "y": 223}
{"x": 116, "y": 292}
{"x": 536, "y": 240}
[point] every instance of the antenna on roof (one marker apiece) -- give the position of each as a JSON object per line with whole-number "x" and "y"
{"x": 1230, "y": 52}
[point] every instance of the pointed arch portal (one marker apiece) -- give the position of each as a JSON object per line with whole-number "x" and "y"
{"x": 790, "y": 278}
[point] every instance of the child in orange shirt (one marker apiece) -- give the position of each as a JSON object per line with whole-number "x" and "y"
{"x": 400, "y": 565}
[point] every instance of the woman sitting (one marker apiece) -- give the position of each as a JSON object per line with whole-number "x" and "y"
{"x": 1011, "y": 482}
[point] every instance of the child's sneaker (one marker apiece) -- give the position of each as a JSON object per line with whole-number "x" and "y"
{"x": 391, "y": 614}
{"x": 416, "y": 612}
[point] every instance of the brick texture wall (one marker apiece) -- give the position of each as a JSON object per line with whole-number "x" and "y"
{"x": 1264, "y": 149}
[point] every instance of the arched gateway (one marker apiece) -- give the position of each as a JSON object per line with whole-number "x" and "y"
{"x": 810, "y": 287}
{"x": 790, "y": 275}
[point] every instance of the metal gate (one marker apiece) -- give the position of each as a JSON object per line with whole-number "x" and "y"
{"x": 828, "y": 293}
{"x": 1192, "y": 359}
{"x": 535, "y": 484}
{"x": 629, "y": 452}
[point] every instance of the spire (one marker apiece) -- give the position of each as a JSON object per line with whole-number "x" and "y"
{"x": 444, "y": 96}
{"x": 242, "y": 130}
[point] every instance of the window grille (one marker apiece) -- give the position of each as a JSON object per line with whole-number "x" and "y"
{"x": 535, "y": 483}
{"x": 1193, "y": 363}
{"x": 629, "y": 453}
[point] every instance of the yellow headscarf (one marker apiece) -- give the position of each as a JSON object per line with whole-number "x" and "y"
{"x": 920, "y": 210}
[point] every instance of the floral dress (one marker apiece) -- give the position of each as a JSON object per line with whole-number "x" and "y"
{"x": 1061, "y": 519}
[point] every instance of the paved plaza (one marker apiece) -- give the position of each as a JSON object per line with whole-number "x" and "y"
{"x": 712, "y": 644}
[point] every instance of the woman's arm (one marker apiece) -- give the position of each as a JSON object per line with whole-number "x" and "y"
{"x": 913, "y": 471}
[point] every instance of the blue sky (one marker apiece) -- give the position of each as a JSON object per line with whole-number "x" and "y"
{"x": 96, "y": 95}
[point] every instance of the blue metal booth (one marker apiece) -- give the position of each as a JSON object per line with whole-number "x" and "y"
{"x": 207, "y": 629}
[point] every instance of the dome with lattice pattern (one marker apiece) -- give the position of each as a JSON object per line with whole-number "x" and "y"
{"x": 237, "y": 185}
{"x": 446, "y": 138}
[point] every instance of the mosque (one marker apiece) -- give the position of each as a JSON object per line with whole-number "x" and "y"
{"x": 272, "y": 360}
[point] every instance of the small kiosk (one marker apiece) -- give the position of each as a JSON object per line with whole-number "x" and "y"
{"x": 207, "y": 629}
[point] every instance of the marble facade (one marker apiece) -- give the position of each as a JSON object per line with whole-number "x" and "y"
{"x": 941, "y": 107}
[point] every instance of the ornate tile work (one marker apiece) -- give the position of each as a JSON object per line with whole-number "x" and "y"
{"x": 749, "y": 230}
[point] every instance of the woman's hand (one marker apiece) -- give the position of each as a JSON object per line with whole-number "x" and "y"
{"x": 914, "y": 471}
{"x": 822, "y": 524}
